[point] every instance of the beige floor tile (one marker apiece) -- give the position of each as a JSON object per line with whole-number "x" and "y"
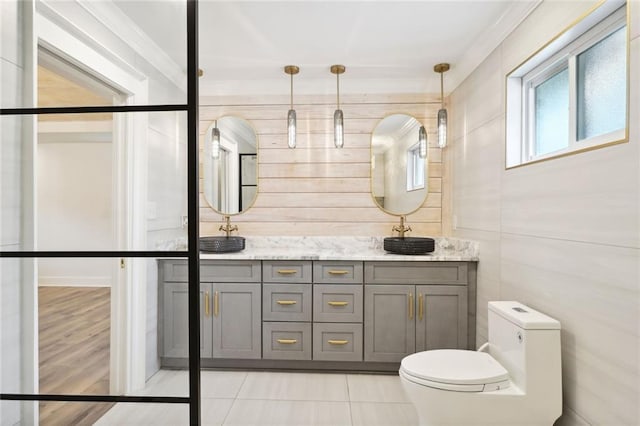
{"x": 383, "y": 414}
{"x": 375, "y": 388}
{"x": 221, "y": 384}
{"x": 295, "y": 387}
{"x": 288, "y": 413}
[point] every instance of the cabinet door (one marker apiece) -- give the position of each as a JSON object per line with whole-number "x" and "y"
{"x": 236, "y": 320}
{"x": 175, "y": 333}
{"x": 441, "y": 321}
{"x": 389, "y": 322}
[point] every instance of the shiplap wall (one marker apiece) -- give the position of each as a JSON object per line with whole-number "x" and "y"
{"x": 316, "y": 189}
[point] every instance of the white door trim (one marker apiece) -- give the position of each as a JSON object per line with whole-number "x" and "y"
{"x": 128, "y": 295}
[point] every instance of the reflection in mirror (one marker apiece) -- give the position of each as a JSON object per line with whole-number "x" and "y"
{"x": 230, "y": 165}
{"x": 398, "y": 172}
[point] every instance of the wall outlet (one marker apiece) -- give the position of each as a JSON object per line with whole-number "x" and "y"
{"x": 184, "y": 221}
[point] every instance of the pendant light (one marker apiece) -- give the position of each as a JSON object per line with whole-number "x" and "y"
{"x": 422, "y": 142}
{"x": 215, "y": 141}
{"x": 442, "y": 113}
{"x": 338, "y": 118}
{"x": 291, "y": 115}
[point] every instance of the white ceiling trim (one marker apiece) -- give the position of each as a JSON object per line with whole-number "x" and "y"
{"x": 128, "y": 31}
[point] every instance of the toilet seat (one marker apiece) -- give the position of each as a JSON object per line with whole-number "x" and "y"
{"x": 455, "y": 370}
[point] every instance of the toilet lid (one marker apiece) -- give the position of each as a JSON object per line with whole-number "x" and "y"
{"x": 455, "y": 367}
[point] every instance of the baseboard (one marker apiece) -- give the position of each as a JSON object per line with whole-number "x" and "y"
{"x": 54, "y": 281}
{"x": 570, "y": 418}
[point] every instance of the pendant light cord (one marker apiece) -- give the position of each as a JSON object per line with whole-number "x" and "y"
{"x": 442, "y": 90}
{"x": 291, "y": 90}
{"x": 338, "y": 88}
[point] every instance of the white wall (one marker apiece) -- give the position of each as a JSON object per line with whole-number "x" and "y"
{"x": 12, "y": 63}
{"x": 75, "y": 211}
{"x": 561, "y": 236}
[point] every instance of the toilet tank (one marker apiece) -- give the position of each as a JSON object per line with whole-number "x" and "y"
{"x": 526, "y": 342}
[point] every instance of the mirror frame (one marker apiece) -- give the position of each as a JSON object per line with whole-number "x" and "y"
{"x": 207, "y": 140}
{"x": 426, "y": 169}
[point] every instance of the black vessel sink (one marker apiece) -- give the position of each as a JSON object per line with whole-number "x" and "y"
{"x": 409, "y": 245}
{"x": 221, "y": 244}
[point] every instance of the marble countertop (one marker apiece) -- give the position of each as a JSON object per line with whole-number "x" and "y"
{"x": 345, "y": 248}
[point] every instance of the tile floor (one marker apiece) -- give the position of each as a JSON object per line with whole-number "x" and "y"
{"x": 270, "y": 398}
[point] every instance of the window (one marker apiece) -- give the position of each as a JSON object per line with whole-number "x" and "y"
{"x": 572, "y": 95}
{"x": 415, "y": 169}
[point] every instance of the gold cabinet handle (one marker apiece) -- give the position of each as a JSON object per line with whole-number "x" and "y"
{"x": 337, "y": 303}
{"x": 216, "y": 307}
{"x": 410, "y": 305}
{"x": 338, "y": 272}
{"x": 286, "y": 302}
{"x": 337, "y": 342}
{"x": 420, "y": 307}
{"x": 287, "y": 271}
{"x": 206, "y": 304}
{"x": 287, "y": 341}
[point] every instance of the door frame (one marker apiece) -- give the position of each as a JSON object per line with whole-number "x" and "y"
{"x": 128, "y": 292}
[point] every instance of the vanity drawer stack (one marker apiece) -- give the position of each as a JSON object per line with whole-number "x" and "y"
{"x": 286, "y": 310}
{"x": 337, "y": 310}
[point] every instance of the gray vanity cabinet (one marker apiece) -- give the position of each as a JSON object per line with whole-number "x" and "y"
{"x": 236, "y": 320}
{"x": 441, "y": 317}
{"x": 175, "y": 336}
{"x": 412, "y": 307}
{"x": 389, "y": 324}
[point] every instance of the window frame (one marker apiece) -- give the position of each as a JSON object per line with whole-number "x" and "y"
{"x": 414, "y": 165}
{"x": 558, "y": 54}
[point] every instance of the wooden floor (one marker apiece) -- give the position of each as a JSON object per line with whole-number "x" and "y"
{"x": 74, "y": 351}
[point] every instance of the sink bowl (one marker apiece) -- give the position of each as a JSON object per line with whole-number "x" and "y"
{"x": 221, "y": 244}
{"x": 409, "y": 245}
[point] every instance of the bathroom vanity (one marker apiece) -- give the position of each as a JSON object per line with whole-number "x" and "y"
{"x": 320, "y": 303}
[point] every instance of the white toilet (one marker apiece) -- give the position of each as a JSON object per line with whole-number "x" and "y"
{"x": 513, "y": 379}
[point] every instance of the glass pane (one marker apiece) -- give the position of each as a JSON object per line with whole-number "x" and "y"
{"x": 552, "y": 114}
{"x": 602, "y": 86}
{"x": 89, "y": 177}
{"x": 120, "y": 48}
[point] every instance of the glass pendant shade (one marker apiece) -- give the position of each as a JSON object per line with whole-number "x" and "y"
{"x": 422, "y": 142}
{"x": 215, "y": 143}
{"x": 442, "y": 128}
{"x": 291, "y": 128}
{"x": 338, "y": 129}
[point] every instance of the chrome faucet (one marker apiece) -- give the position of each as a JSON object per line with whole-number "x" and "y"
{"x": 402, "y": 228}
{"x": 228, "y": 228}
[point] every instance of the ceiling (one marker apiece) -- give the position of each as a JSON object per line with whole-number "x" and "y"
{"x": 386, "y": 46}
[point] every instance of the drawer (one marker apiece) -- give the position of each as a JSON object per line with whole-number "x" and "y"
{"x": 293, "y": 271}
{"x": 333, "y": 272}
{"x": 337, "y": 342}
{"x": 238, "y": 271}
{"x": 454, "y": 273}
{"x": 286, "y": 302}
{"x": 286, "y": 340}
{"x": 337, "y": 303}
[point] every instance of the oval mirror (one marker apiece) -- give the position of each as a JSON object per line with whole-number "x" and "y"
{"x": 230, "y": 165}
{"x": 398, "y": 165}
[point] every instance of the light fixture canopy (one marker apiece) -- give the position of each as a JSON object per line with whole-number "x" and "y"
{"x": 442, "y": 113}
{"x": 291, "y": 115}
{"x": 338, "y": 117}
{"x": 215, "y": 141}
{"x": 422, "y": 142}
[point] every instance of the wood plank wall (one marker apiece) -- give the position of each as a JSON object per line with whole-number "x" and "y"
{"x": 316, "y": 189}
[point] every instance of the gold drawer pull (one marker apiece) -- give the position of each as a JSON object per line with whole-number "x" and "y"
{"x": 207, "y": 312}
{"x": 287, "y": 271}
{"x": 337, "y": 342}
{"x": 288, "y": 341}
{"x": 337, "y": 303}
{"x": 410, "y": 305}
{"x": 338, "y": 272}
{"x": 216, "y": 307}
{"x": 286, "y": 302}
